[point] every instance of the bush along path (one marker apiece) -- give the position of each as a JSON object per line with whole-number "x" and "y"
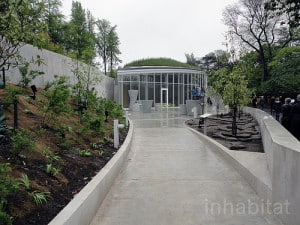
{"x": 58, "y": 147}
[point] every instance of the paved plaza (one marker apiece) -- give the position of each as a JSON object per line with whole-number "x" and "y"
{"x": 172, "y": 178}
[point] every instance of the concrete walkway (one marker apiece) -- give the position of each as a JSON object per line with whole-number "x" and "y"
{"x": 172, "y": 178}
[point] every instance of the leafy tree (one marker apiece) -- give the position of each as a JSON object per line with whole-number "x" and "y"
{"x": 217, "y": 79}
{"x": 252, "y": 70}
{"x": 90, "y": 52}
{"x": 78, "y": 39}
{"x": 19, "y": 23}
{"x": 285, "y": 71}
{"x": 257, "y": 28}
{"x": 107, "y": 43}
{"x": 236, "y": 93}
{"x": 54, "y": 20}
{"x": 113, "y": 49}
{"x": 215, "y": 60}
{"x": 190, "y": 59}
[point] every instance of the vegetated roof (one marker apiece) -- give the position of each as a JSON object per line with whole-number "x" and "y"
{"x": 159, "y": 62}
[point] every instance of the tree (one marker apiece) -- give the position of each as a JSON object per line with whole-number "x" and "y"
{"x": 215, "y": 60}
{"x": 113, "y": 49}
{"x": 236, "y": 93}
{"x": 288, "y": 7}
{"x": 54, "y": 19}
{"x": 190, "y": 59}
{"x": 285, "y": 73}
{"x": 257, "y": 28}
{"x": 20, "y": 23}
{"x": 79, "y": 42}
{"x": 107, "y": 43}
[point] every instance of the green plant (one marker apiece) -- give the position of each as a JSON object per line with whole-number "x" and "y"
{"x": 24, "y": 180}
{"x": 22, "y": 141}
{"x": 11, "y": 95}
{"x": 101, "y": 152}
{"x": 85, "y": 152}
{"x": 40, "y": 197}
{"x": 28, "y": 99}
{"x": 28, "y": 75}
{"x": 50, "y": 169}
{"x": 57, "y": 101}
{"x": 7, "y": 186}
{"x": 94, "y": 145}
{"x": 5, "y": 219}
{"x": 108, "y": 139}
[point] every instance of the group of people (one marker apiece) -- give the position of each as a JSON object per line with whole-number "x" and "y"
{"x": 288, "y": 113}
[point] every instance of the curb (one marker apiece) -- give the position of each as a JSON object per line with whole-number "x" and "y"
{"x": 84, "y": 206}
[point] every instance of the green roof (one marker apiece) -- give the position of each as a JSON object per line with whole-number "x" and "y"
{"x": 159, "y": 62}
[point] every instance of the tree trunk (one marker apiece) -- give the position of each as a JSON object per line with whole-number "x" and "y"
{"x": 234, "y": 126}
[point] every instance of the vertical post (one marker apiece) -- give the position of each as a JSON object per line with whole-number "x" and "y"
{"x": 205, "y": 126}
{"x": 15, "y": 114}
{"x": 116, "y": 134}
{"x": 126, "y": 118}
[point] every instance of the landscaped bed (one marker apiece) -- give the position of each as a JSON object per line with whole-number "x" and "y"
{"x": 47, "y": 164}
{"x": 219, "y": 128}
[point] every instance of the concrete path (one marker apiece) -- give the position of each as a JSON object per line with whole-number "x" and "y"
{"x": 171, "y": 178}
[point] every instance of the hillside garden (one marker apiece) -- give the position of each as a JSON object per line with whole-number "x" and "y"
{"x": 57, "y": 147}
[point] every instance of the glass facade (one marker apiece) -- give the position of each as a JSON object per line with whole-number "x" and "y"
{"x": 164, "y": 85}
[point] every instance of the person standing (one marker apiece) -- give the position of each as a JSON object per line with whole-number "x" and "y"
{"x": 295, "y": 118}
{"x": 262, "y": 102}
{"x": 285, "y": 109}
{"x": 272, "y": 101}
{"x": 277, "y": 108}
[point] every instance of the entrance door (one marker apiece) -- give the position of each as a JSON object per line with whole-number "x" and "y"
{"x": 164, "y": 98}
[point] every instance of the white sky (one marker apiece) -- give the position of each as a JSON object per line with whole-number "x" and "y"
{"x": 161, "y": 28}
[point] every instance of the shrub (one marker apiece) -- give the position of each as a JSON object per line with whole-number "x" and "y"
{"x": 57, "y": 101}
{"x": 7, "y": 186}
{"x": 11, "y": 95}
{"x": 22, "y": 141}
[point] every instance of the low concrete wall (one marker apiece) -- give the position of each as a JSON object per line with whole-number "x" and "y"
{"x": 250, "y": 165}
{"x": 283, "y": 157}
{"x": 56, "y": 64}
{"x": 82, "y": 209}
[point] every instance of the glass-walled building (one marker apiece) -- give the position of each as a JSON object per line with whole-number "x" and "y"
{"x": 162, "y": 84}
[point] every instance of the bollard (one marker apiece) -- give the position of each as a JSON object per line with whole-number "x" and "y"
{"x": 116, "y": 133}
{"x": 126, "y": 118}
{"x": 194, "y": 110}
{"x": 205, "y": 126}
{"x": 205, "y": 116}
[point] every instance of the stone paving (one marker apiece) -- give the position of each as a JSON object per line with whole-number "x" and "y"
{"x": 172, "y": 178}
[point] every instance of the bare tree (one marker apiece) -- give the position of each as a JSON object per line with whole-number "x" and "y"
{"x": 257, "y": 28}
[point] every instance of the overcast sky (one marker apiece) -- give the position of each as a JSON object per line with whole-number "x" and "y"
{"x": 161, "y": 28}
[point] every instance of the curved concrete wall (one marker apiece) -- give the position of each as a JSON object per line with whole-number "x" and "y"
{"x": 56, "y": 64}
{"x": 283, "y": 157}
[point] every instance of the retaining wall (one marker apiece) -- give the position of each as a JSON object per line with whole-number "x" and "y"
{"x": 283, "y": 158}
{"x": 56, "y": 64}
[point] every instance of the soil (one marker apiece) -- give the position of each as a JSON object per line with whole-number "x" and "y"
{"x": 75, "y": 170}
{"x": 219, "y": 128}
